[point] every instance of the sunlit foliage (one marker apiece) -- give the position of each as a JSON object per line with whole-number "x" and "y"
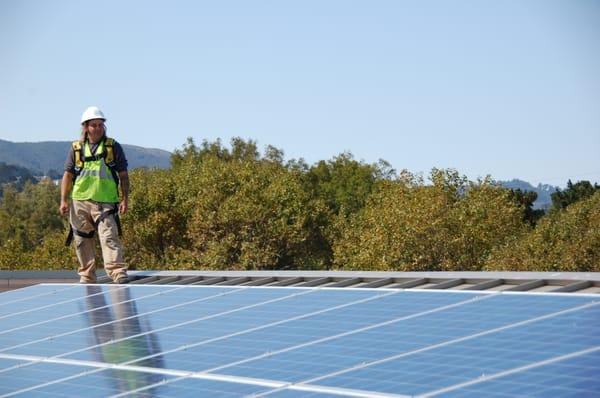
{"x": 237, "y": 207}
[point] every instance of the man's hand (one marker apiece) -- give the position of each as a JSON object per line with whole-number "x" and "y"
{"x": 123, "y": 206}
{"x": 124, "y": 183}
{"x": 64, "y": 207}
{"x": 65, "y": 189}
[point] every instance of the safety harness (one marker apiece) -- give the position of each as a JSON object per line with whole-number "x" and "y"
{"x": 108, "y": 155}
{"x": 109, "y": 159}
{"x": 114, "y": 211}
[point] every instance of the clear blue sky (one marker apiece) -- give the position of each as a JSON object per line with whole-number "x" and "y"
{"x": 507, "y": 88}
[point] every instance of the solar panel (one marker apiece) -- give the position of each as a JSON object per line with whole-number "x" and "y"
{"x": 167, "y": 341}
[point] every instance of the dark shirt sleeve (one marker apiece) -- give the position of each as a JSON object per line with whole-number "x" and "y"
{"x": 120, "y": 159}
{"x": 70, "y": 161}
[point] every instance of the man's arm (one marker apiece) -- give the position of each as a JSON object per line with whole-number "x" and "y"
{"x": 124, "y": 184}
{"x": 65, "y": 190}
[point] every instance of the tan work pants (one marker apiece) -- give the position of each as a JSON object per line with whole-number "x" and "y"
{"x": 82, "y": 215}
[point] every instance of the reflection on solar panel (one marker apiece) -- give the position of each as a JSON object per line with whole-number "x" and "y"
{"x": 189, "y": 341}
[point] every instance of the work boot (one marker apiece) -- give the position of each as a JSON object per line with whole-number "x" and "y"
{"x": 122, "y": 279}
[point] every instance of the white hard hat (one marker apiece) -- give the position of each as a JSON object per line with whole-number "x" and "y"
{"x": 93, "y": 112}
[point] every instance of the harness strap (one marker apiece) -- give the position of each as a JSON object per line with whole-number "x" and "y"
{"x": 108, "y": 155}
{"x": 94, "y": 157}
{"x": 84, "y": 234}
{"x": 114, "y": 211}
{"x": 118, "y": 221}
{"x": 77, "y": 151}
{"x": 77, "y": 232}
{"x": 88, "y": 235}
{"x": 69, "y": 236}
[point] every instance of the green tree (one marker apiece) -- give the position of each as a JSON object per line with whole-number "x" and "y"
{"x": 155, "y": 227}
{"x": 15, "y": 174}
{"x": 251, "y": 214}
{"x": 29, "y": 215}
{"x": 573, "y": 193}
{"x": 525, "y": 199}
{"x": 224, "y": 208}
{"x": 567, "y": 240}
{"x": 30, "y": 227}
{"x": 345, "y": 183}
{"x": 406, "y": 225}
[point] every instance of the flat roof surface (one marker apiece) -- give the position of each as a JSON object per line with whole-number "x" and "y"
{"x": 563, "y": 282}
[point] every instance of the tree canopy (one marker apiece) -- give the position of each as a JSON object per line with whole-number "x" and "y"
{"x": 572, "y": 194}
{"x": 235, "y": 207}
{"x": 450, "y": 224}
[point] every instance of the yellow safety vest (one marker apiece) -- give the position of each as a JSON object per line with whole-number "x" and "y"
{"x": 95, "y": 180}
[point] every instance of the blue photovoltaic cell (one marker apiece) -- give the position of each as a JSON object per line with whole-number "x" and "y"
{"x": 219, "y": 320}
{"x": 485, "y": 355}
{"x": 55, "y": 305}
{"x": 403, "y": 336}
{"x": 99, "y": 332}
{"x": 194, "y": 388}
{"x": 304, "y": 394}
{"x": 35, "y": 292}
{"x": 9, "y": 363}
{"x": 104, "y": 383}
{"x": 305, "y": 330}
{"x": 573, "y": 377}
{"x": 387, "y": 341}
{"x": 69, "y": 380}
{"x": 99, "y": 307}
{"x": 17, "y": 301}
{"x": 35, "y": 374}
{"x": 62, "y": 379}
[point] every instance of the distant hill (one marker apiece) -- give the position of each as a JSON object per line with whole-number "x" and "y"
{"x": 544, "y": 200}
{"x": 42, "y": 157}
{"x": 10, "y": 173}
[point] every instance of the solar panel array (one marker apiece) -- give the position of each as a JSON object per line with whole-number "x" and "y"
{"x": 189, "y": 341}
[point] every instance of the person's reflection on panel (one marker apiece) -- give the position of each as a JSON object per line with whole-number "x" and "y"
{"x": 120, "y": 336}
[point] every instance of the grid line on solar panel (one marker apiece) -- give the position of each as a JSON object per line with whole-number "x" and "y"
{"x": 102, "y": 383}
{"x": 136, "y": 360}
{"x": 470, "y": 299}
{"x": 100, "y": 366}
{"x": 213, "y": 309}
{"x": 54, "y": 336}
{"x": 26, "y": 293}
{"x": 74, "y": 314}
{"x": 350, "y": 332}
{"x": 296, "y": 294}
{"x": 53, "y": 373}
{"x": 214, "y": 376}
{"x": 432, "y": 295}
{"x": 569, "y": 378}
{"x": 162, "y": 371}
{"x": 431, "y": 347}
{"x": 576, "y": 377}
{"x": 260, "y": 382}
{"x": 489, "y": 377}
{"x": 180, "y": 375}
{"x": 32, "y": 304}
{"x": 465, "y": 311}
{"x": 265, "y": 326}
{"x": 436, "y": 294}
{"x": 341, "y": 391}
{"x": 20, "y": 312}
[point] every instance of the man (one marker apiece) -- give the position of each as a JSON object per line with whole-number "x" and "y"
{"x": 94, "y": 168}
